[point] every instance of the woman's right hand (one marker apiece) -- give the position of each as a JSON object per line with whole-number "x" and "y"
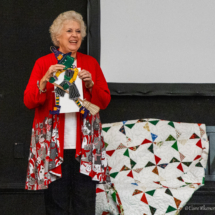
{"x": 52, "y": 69}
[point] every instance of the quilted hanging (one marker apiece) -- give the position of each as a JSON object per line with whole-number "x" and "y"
{"x": 154, "y": 166}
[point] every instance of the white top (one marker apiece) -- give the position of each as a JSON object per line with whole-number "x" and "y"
{"x": 70, "y": 128}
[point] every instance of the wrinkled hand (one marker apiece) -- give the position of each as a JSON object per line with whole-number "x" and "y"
{"x": 86, "y": 77}
{"x": 52, "y": 69}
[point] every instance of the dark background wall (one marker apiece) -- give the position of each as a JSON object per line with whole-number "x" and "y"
{"x": 24, "y": 38}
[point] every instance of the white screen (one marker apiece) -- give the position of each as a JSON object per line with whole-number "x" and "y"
{"x": 158, "y": 41}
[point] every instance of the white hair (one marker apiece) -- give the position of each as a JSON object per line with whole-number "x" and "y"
{"x": 57, "y": 25}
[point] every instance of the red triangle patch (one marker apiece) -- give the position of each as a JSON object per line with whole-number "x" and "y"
{"x": 146, "y": 141}
{"x": 157, "y": 159}
{"x": 199, "y": 124}
{"x": 98, "y": 190}
{"x": 144, "y": 199}
{"x": 130, "y": 174}
{"x": 110, "y": 152}
{"x": 180, "y": 167}
{"x": 199, "y": 144}
{"x": 197, "y": 157}
{"x": 109, "y": 168}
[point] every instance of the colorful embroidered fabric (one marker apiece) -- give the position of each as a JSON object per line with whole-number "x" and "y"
{"x": 93, "y": 159}
{"x": 43, "y": 155}
{"x": 155, "y": 166}
{"x": 45, "y": 146}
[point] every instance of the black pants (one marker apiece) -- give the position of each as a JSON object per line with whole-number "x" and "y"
{"x": 74, "y": 193}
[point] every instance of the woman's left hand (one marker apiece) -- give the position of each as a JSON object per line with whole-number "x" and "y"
{"x": 86, "y": 77}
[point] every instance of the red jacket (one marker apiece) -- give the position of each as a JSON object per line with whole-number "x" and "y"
{"x": 44, "y": 102}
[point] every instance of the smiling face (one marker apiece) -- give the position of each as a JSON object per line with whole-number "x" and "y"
{"x": 70, "y": 37}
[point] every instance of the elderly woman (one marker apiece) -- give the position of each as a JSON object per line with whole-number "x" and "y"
{"x": 56, "y": 139}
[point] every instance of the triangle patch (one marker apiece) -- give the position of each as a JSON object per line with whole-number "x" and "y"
{"x": 151, "y": 148}
{"x": 149, "y": 164}
{"x": 170, "y": 138}
{"x": 136, "y": 192}
{"x": 146, "y": 141}
{"x": 130, "y": 174}
{"x": 197, "y": 157}
{"x": 174, "y": 160}
{"x": 187, "y": 163}
{"x": 180, "y": 179}
{"x": 133, "y": 163}
{"x": 121, "y": 146}
{"x": 144, "y": 199}
{"x": 175, "y": 146}
{"x": 106, "y": 145}
{"x": 126, "y": 153}
{"x": 170, "y": 209}
{"x": 130, "y": 125}
{"x": 157, "y": 159}
{"x": 114, "y": 174}
{"x": 110, "y": 153}
{"x": 168, "y": 192}
{"x": 124, "y": 168}
{"x": 122, "y": 129}
{"x": 155, "y": 170}
{"x": 177, "y": 202}
{"x": 138, "y": 170}
{"x": 134, "y": 148}
{"x": 98, "y": 190}
{"x": 106, "y": 129}
{"x": 154, "y": 122}
{"x": 163, "y": 166}
{"x": 153, "y": 210}
{"x": 151, "y": 192}
{"x": 181, "y": 156}
{"x": 199, "y": 164}
{"x": 154, "y": 136}
{"x": 146, "y": 126}
{"x": 171, "y": 124}
{"x": 180, "y": 167}
{"x": 194, "y": 136}
{"x": 199, "y": 144}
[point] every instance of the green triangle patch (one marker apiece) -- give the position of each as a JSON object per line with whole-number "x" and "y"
{"x": 149, "y": 164}
{"x": 126, "y": 153}
{"x": 151, "y": 148}
{"x": 203, "y": 180}
{"x": 106, "y": 145}
{"x": 133, "y": 163}
{"x": 174, "y": 160}
{"x": 170, "y": 138}
{"x": 155, "y": 122}
{"x": 168, "y": 192}
{"x": 187, "y": 163}
{"x": 171, "y": 124}
{"x": 114, "y": 174}
{"x": 153, "y": 210}
{"x": 114, "y": 196}
{"x": 151, "y": 192}
{"x": 199, "y": 164}
{"x": 170, "y": 209}
{"x": 106, "y": 129}
{"x": 175, "y": 146}
{"x": 130, "y": 125}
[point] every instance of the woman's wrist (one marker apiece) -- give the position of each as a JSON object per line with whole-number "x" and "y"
{"x": 43, "y": 83}
{"x": 89, "y": 85}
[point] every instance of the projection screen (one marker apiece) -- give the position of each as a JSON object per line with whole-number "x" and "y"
{"x": 154, "y": 41}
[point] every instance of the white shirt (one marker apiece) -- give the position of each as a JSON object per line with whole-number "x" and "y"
{"x": 70, "y": 128}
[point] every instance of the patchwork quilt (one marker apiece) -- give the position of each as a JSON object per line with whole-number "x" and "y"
{"x": 154, "y": 166}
